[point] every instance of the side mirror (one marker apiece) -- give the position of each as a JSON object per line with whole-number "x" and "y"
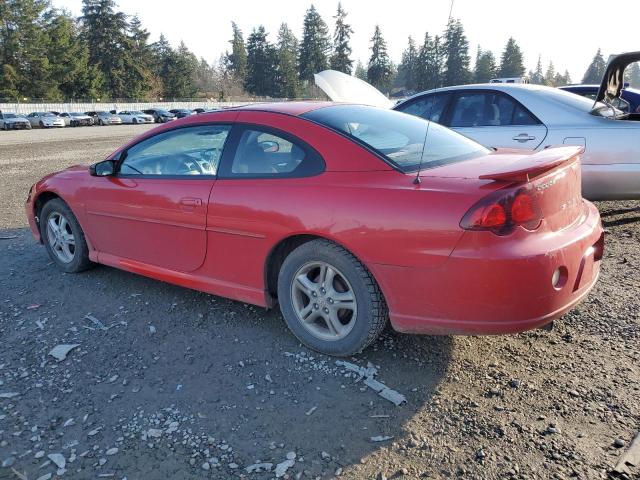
{"x": 103, "y": 169}
{"x": 269, "y": 146}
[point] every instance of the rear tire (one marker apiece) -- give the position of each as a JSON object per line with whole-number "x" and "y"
{"x": 63, "y": 237}
{"x": 329, "y": 299}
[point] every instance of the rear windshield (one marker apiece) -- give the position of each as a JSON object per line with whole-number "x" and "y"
{"x": 397, "y": 137}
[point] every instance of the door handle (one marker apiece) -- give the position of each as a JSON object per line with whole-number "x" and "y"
{"x": 523, "y": 137}
{"x": 190, "y": 202}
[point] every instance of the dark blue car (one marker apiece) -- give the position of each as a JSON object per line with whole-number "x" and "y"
{"x": 630, "y": 95}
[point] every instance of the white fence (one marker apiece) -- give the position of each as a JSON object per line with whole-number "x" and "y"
{"x": 26, "y": 108}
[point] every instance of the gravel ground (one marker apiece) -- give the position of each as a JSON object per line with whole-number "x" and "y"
{"x": 170, "y": 383}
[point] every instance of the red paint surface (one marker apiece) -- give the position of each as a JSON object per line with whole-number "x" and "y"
{"x": 435, "y": 276}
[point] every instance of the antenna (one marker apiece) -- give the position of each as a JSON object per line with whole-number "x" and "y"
{"x": 417, "y": 181}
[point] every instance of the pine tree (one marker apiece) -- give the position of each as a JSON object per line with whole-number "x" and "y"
{"x": 236, "y": 61}
{"x": 596, "y": 69}
{"x": 286, "y": 84}
{"x": 106, "y": 32}
{"x": 512, "y": 61}
{"x": 408, "y": 68}
{"x": 69, "y": 59}
{"x": 361, "y": 72}
{"x": 430, "y": 63}
{"x": 486, "y": 68}
{"x": 456, "y": 47}
{"x": 314, "y": 47}
{"x": 380, "y": 69}
{"x": 260, "y": 63}
{"x": 340, "y": 59}
{"x": 537, "y": 77}
{"x": 24, "y": 44}
{"x": 550, "y": 75}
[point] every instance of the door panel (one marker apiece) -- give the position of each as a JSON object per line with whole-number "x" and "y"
{"x": 157, "y": 221}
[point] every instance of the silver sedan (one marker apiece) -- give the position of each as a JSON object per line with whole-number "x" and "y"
{"x": 536, "y": 117}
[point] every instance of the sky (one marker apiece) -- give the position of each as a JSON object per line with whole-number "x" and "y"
{"x": 567, "y": 32}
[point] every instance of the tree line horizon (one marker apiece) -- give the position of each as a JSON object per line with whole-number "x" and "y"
{"x": 46, "y": 53}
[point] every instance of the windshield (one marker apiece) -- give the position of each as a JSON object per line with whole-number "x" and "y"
{"x": 398, "y": 137}
{"x": 9, "y": 115}
{"x": 48, "y": 114}
{"x": 76, "y": 114}
{"x": 135, "y": 112}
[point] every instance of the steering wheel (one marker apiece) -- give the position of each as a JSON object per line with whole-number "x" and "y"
{"x": 184, "y": 165}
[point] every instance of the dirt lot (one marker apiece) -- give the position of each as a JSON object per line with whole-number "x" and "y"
{"x": 170, "y": 383}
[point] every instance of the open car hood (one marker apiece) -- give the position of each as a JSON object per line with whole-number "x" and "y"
{"x": 613, "y": 79}
{"x": 341, "y": 87}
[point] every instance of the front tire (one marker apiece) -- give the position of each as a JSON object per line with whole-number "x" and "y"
{"x": 329, "y": 299}
{"x": 63, "y": 237}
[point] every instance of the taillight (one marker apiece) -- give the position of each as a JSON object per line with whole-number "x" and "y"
{"x": 503, "y": 210}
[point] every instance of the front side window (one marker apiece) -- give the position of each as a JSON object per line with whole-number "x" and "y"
{"x": 488, "y": 109}
{"x": 429, "y": 107}
{"x": 183, "y": 151}
{"x": 264, "y": 153}
{"x": 405, "y": 141}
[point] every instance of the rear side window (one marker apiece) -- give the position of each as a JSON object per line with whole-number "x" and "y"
{"x": 265, "y": 153}
{"x": 405, "y": 141}
{"x": 488, "y": 109}
{"x": 430, "y": 107}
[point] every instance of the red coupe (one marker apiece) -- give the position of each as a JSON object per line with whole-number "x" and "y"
{"x": 345, "y": 215}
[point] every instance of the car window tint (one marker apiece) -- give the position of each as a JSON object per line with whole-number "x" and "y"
{"x": 184, "y": 151}
{"x": 468, "y": 110}
{"x": 264, "y": 153}
{"x": 522, "y": 117}
{"x": 487, "y": 109}
{"x": 430, "y": 107}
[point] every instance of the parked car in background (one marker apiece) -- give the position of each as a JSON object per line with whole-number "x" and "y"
{"x": 181, "y": 112}
{"x": 103, "y": 118}
{"x": 534, "y": 117}
{"x": 13, "y": 121}
{"x": 319, "y": 204}
{"x": 159, "y": 115}
{"x": 134, "y": 117}
{"x": 629, "y": 100}
{"x": 510, "y": 80}
{"x": 45, "y": 120}
{"x": 76, "y": 119}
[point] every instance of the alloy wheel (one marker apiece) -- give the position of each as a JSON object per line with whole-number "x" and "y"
{"x": 60, "y": 237}
{"x": 324, "y": 301}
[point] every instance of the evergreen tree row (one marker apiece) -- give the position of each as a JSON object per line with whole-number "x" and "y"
{"x": 46, "y": 53}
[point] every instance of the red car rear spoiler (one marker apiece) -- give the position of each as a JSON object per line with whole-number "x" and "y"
{"x": 530, "y": 166}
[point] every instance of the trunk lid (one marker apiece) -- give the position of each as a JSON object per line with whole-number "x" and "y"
{"x": 551, "y": 177}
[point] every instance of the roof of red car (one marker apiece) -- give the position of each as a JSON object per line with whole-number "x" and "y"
{"x": 290, "y": 108}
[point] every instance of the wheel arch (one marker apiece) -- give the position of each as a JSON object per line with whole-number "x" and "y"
{"x": 279, "y": 252}
{"x": 41, "y": 200}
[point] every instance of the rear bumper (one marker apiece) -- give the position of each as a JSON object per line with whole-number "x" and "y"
{"x": 497, "y": 285}
{"x": 617, "y": 181}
